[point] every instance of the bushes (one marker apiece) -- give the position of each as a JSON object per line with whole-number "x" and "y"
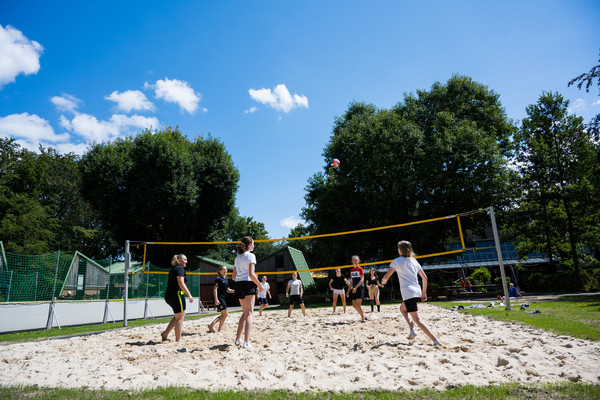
{"x": 480, "y": 276}
{"x": 562, "y": 281}
{"x": 321, "y": 286}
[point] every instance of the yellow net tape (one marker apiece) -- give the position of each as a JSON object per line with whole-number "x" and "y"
{"x": 457, "y": 216}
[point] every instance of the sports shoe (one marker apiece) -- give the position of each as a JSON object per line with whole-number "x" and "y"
{"x": 247, "y": 345}
{"x": 412, "y": 334}
{"x": 238, "y": 342}
{"x": 436, "y": 342}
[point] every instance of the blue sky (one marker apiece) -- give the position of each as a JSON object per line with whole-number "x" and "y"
{"x": 268, "y": 78}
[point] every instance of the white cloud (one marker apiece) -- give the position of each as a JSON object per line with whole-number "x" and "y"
{"x": 93, "y": 130}
{"x": 252, "y": 110}
{"x": 291, "y": 222}
{"x": 577, "y": 105}
{"x": 279, "y": 98}
{"x": 131, "y": 100}
{"x": 596, "y": 103}
{"x": 30, "y": 130}
{"x": 77, "y": 148}
{"x": 176, "y": 91}
{"x": 66, "y": 103}
{"x": 18, "y": 55}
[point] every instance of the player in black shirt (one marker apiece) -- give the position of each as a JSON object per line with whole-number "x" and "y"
{"x": 175, "y": 295}
{"x": 336, "y": 284}
{"x": 220, "y": 291}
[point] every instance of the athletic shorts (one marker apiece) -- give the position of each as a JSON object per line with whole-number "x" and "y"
{"x": 411, "y": 304}
{"x": 245, "y": 288}
{"x": 296, "y": 300}
{"x": 358, "y": 295}
{"x": 263, "y": 300}
{"x": 339, "y": 291}
{"x": 177, "y": 301}
{"x": 373, "y": 291}
{"x": 222, "y": 303}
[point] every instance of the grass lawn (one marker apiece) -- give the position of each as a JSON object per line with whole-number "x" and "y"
{"x": 576, "y": 316}
{"x": 559, "y": 391}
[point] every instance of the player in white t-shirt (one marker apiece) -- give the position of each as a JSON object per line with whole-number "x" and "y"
{"x": 246, "y": 286}
{"x": 408, "y": 269}
{"x": 294, "y": 291}
{"x": 262, "y": 296}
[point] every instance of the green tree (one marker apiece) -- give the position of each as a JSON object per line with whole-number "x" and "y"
{"x": 41, "y": 209}
{"x": 588, "y": 79}
{"x": 593, "y": 128}
{"x": 160, "y": 186}
{"x": 480, "y": 276}
{"x": 26, "y": 226}
{"x": 556, "y": 161}
{"x": 233, "y": 229}
{"x": 304, "y": 245}
{"x": 78, "y": 224}
{"x": 436, "y": 153}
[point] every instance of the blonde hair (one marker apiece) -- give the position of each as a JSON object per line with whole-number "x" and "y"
{"x": 176, "y": 258}
{"x": 406, "y": 249}
{"x": 357, "y": 257}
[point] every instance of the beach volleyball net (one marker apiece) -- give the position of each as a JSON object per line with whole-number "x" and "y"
{"x": 68, "y": 278}
{"x": 434, "y": 240}
{"x": 74, "y": 276}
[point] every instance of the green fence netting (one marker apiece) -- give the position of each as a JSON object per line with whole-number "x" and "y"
{"x": 74, "y": 276}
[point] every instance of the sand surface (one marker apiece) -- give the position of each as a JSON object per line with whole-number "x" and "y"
{"x": 319, "y": 352}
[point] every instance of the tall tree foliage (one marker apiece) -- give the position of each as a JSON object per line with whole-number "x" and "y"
{"x": 588, "y": 79}
{"x": 20, "y": 212}
{"x": 556, "y": 161}
{"x": 41, "y": 209}
{"x": 233, "y": 229}
{"x": 159, "y": 186}
{"x": 436, "y": 153}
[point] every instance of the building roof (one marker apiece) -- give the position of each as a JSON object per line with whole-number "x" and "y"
{"x": 118, "y": 267}
{"x": 215, "y": 263}
{"x": 300, "y": 263}
{"x": 484, "y": 254}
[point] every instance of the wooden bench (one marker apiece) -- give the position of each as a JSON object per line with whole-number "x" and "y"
{"x": 436, "y": 293}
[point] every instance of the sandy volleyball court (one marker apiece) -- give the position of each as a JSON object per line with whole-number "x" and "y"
{"x": 319, "y": 352}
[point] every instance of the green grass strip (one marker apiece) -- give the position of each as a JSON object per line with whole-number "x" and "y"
{"x": 508, "y": 391}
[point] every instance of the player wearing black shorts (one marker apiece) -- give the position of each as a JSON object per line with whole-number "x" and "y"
{"x": 220, "y": 291}
{"x": 294, "y": 291}
{"x": 357, "y": 276}
{"x": 175, "y": 296}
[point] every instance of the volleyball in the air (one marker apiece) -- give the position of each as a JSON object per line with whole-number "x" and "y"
{"x": 335, "y": 163}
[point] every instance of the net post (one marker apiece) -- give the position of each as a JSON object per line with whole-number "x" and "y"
{"x": 499, "y": 252}
{"x": 107, "y": 311}
{"x": 126, "y": 282}
{"x": 9, "y": 286}
{"x": 52, "y": 309}
{"x": 37, "y": 275}
{"x": 52, "y": 316}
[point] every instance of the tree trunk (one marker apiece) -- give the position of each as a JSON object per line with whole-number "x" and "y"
{"x": 573, "y": 244}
